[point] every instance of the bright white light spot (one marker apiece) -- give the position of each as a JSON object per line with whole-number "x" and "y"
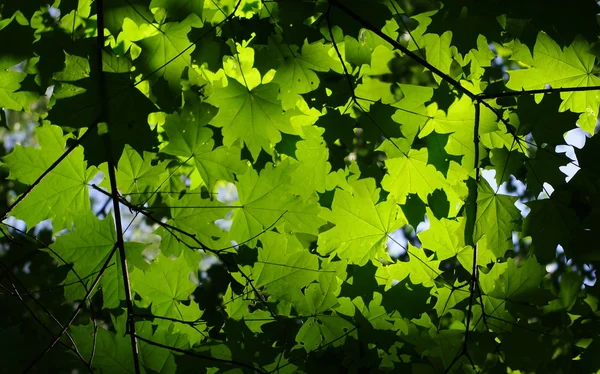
{"x": 546, "y": 192}
{"x": 224, "y": 224}
{"x": 54, "y": 12}
{"x": 551, "y": 267}
{"x": 490, "y": 177}
{"x": 227, "y": 193}
{"x": 396, "y": 243}
{"x": 576, "y": 137}
{"x": 423, "y": 225}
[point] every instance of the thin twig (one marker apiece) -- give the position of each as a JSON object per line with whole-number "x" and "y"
{"x": 45, "y": 174}
{"x": 74, "y": 348}
{"x": 195, "y": 354}
{"x": 77, "y": 310}
{"x": 538, "y": 91}
{"x": 71, "y": 268}
{"x": 348, "y": 77}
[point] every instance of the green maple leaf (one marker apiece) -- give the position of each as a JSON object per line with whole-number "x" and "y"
{"x": 545, "y": 167}
{"x": 189, "y": 139}
{"x": 112, "y": 351}
{"x": 358, "y": 51}
{"x": 155, "y": 358}
{"x": 459, "y": 123}
{"x": 570, "y": 67}
{"x": 167, "y": 53}
{"x": 362, "y": 225}
{"x": 63, "y": 194}
{"x": 115, "y": 12}
{"x": 420, "y": 269}
{"x": 253, "y": 116}
{"x": 86, "y": 249}
{"x": 439, "y": 53}
{"x": 511, "y": 163}
{"x": 10, "y": 97}
{"x": 542, "y": 119}
{"x": 164, "y": 285}
{"x": 321, "y": 329}
{"x": 76, "y": 68}
{"x": 551, "y": 222}
{"x": 196, "y": 216}
{"x": 497, "y": 218}
{"x": 410, "y": 173}
{"x": 484, "y": 255}
{"x": 284, "y": 268}
{"x": 266, "y": 200}
{"x": 279, "y": 268}
{"x": 445, "y": 236}
{"x": 509, "y": 280}
{"x": 296, "y": 74}
{"x": 480, "y": 58}
{"x": 75, "y": 101}
{"x": 179, "y": 9}
{"x": 239, "y": 308}
{"x": 447, "y": 298}
{"x": 374, "y": 312}
{"x": 373, "y": 87}
{"x": 313, "y": 168}
{"x": 136, "y": 176}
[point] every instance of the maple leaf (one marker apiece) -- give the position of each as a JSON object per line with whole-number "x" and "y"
{"x": 300, "y": 186}
{"x": 189, "y": 139}
{"x": 63, "y": 194}
{"x": 265, "y": 200}
{"x": 570, "y": 67}
{"x": 253, "y": 116}
{"x": 297, "y": 73}
{"x": 167, "y": 53}
{"x": 362, "y": 225}
{"x": 497, "y": 218}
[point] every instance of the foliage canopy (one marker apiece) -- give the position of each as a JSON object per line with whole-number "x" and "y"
{"x": 299, "y": 186}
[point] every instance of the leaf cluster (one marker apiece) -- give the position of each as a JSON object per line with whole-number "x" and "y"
{"x": 299, "y": 186}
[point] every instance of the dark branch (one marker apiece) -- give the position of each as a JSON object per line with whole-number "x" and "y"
{"x": 35, "y": 317}
{"x": 104, "y": 117}
{"x": 45, "y": 174}
{"x": 77, "y": 310}
{"x": 533, "y": 92}
{"x": 195, "y": 354}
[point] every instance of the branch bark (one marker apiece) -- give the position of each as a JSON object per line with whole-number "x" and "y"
{"x": 120, "y": 244}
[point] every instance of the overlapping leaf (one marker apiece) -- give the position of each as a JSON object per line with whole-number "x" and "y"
{"x": 63, "y": 194}
{"x": 362, "y": 223}
{"x": 276, "y": 151}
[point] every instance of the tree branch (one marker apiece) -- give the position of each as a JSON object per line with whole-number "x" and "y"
{"x": 45, "y": 174}
{"x": 17, "y": 294}
{"x": 104, "y": 117}
{"x": 77, "y": 310}
{"x": 209, "y": 358}
{"x": 533, "y": 92}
